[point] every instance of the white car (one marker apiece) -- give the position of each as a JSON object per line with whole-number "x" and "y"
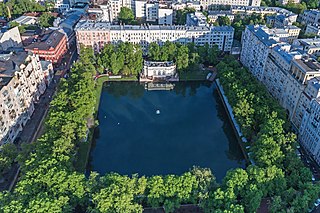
{"x": 317, "y": 203}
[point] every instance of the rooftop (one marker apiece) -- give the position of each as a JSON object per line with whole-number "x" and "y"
{"x": 49, "y": 40}
{"x": 308, "y": 64}
{"x": 90, "y": 25}
{"x": 159, "y": 64}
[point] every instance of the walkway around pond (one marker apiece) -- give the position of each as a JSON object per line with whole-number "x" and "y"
{"x": 231, "y": 116}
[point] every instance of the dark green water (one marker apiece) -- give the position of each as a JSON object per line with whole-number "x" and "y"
{"x": 191, "y": 129}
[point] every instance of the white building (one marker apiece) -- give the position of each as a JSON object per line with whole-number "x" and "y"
{"x": 309, "y": 45}
{"x": 313, "y": 29}
{"x": 257, "y": 42}
{"x": 284, "y": 2}
{"x": 182, "y": 5}
{"x": 311, "y": 17}
{"x": 26, "y": 20}
{"x": 158, "y": 70}
{"x": 249, "y": 10}
{"x": 196, "y": 19}
{"x": 282, "y": 20}
{"x": 116, "y": 5}
{"x": 62, "y": 5}
{"x": 309, "y": 133}
{"x": 10, "y": 38}
{"x": 21, "y": 84}
{"x": 97, "y": 34}
{"x": 154, "y": 12}
{"x": 214, "y": 15}
{"x": 207, "y": 4}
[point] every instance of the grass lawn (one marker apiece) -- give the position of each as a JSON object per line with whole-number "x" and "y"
{"x": 85, "y": 147}
{"x": 198, "y": 75}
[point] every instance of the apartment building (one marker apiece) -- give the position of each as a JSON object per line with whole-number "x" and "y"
{"x": 282, "y": 20}
{"x": 196, "y": 19}
{"x": 21, "y": 84}
{"x": 309, "y": 133}
{"x": 313, "y": 29}
{"x": 51, "y": 46}
{"x": 257, "y": 42}
{"x": 97, "y": 34}
{"x": 214, "y": 15}
{"x": 310, "y": 17}
{"x": 182, "y": 5}
{"x": 114, "y": 7}
{"x": 159, "y": 13}
{"x": 264, "y": 11}
{"x": 10, "y": 38}
{"x": 207, "y": 4}
{"x": 309, "y": 45}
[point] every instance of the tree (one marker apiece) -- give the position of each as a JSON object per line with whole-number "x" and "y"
{"x": 182, "y": 58}
{"x": 46, "y": 20}
{"x": 126, "y": 15}
{"x": 224, "y": 20}
{"x": 181, "y": 15}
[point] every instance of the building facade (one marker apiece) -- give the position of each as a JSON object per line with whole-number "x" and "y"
{"x": 158, "y": 70}
{"x": 207, "y": 4}
{"x": 96, "y": 35}
{"x": 10, "y": 38}
{"x": 313, "y": 29}
{"x": 21, "y": 84}
{"x": 310, "y": 17}
{"x": 50, "y": 47}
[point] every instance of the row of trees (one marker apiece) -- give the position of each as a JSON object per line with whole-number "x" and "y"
{"x": 283, "y": 177}
{"x": 185, "y": 56}
{"x": 14, "y": 8}
{"x": 48, "y": 181}
{"x": 123, "y": 58}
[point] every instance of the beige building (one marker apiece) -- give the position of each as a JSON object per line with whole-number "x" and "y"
{"x": 207, "y": 4}
{"x": 97, "y": 34}
{"x": 21, "y": 84}
{"x": 10, "y": 38}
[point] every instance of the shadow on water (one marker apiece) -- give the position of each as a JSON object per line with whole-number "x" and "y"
{"x": 234, "y": 152}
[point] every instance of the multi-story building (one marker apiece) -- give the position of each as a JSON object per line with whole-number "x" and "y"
{"x": 313, "y": 29}
{"x": 10, "y": 38}
{"x": 310, "y": 17}
{"x": 116, "y": 5}
{"x": 207, "y": 4}
{"x": 214, "y": 15}
{"x": 196, "y": 19}
{"x": 285, "y": 72}
{"x": 264, "y": 11}
{"x": 282, "y": 20}
{"x": 257, "y": 42}
{"x": 284, "y": 2}
{"x": 51, "y": 46}
{"x": 97, "y": 34}
{"x": 309, "y": 45}
{"x": 21, "y": 84}
{"x": 309, "y": 133}
{"x": 182, "y": 5}
{"x": 154, "y": 12}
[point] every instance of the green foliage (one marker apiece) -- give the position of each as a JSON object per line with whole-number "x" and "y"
{"x": 185, "y": 56}
{"x": 126, "y": 15}
{"x": 224, "y": 20}
{"x": 8, "y": 155}
{"x": 124, "y": 58}
{"x": 181, "y": 15}
{"x": 240, "y": 23}
{"x": 15, "y": 8}
{"x": 46, "y": 20}
{"x": 278, "y": 172}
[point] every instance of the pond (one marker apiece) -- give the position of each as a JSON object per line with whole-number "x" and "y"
{"x": 158, "y": 132}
